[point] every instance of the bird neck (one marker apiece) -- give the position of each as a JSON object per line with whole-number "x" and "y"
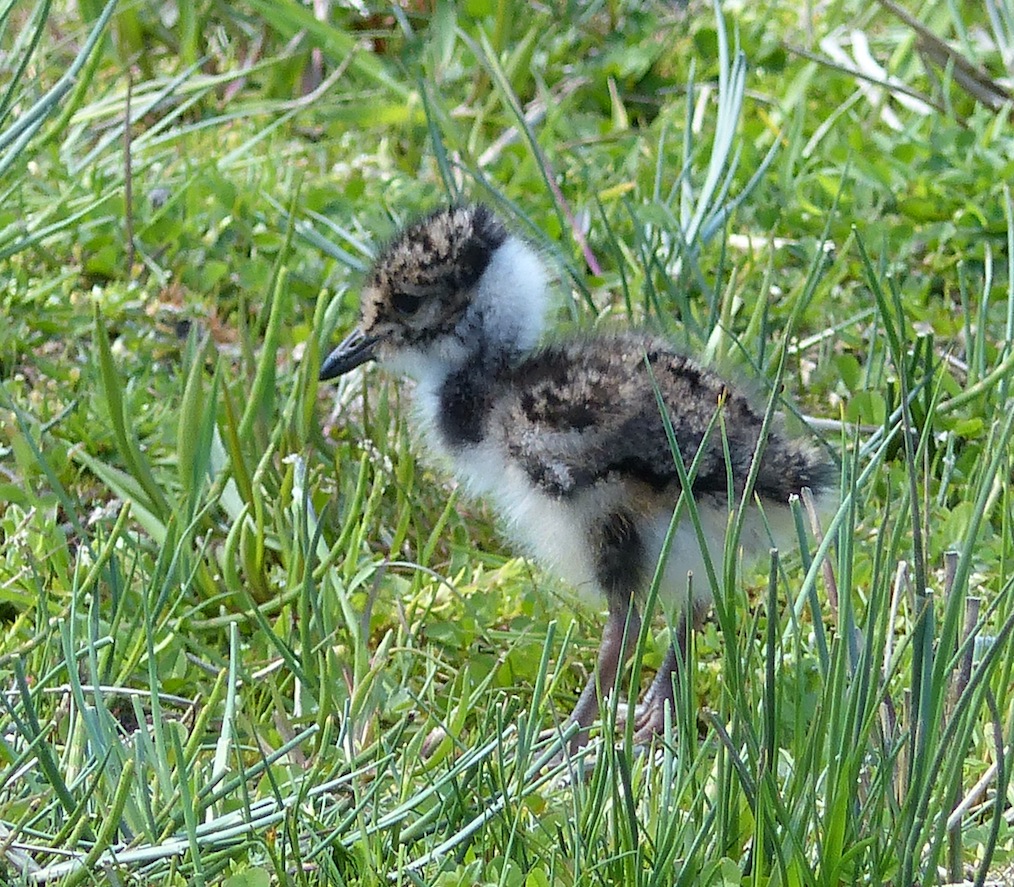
{"x": 505, "y": 318}
{"x": 465, "y": 398}
{"x": 458, "y": 374}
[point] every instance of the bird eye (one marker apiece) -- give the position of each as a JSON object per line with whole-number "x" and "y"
{"x": 406, "y": 303}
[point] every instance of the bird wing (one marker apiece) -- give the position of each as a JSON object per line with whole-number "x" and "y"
{"x": 587, "y": 409}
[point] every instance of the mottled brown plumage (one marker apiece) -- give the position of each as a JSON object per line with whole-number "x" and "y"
{"x": 567, "y": 440}
{"x": 584, "y": 410}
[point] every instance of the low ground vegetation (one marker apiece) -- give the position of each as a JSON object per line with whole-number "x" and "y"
{"x": 250, "y": 635}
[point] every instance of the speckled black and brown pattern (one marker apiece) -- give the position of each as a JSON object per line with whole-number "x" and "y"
{"x": 441, "y": 256}
{"x": 581, "y": 412}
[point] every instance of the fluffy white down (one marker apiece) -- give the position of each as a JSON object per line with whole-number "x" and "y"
{"x": 555, "y": 533}
{"x": 511, "y": 296}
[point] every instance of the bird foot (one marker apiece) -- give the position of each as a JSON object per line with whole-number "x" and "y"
{"x": 649, "y": 720}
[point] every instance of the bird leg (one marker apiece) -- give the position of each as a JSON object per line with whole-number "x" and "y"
{"x": 661, "y": 695}
{"x": 622, "y": 628}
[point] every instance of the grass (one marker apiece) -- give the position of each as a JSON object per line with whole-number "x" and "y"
{"x": 251, "y": 637}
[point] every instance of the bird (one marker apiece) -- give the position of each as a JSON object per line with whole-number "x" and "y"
{"x": 566, "y": 437}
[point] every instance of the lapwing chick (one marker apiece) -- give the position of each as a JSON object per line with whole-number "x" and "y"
{"x": 567, "y": 439}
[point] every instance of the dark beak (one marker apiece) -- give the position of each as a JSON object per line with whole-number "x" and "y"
{"x": 356, "y": 348}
